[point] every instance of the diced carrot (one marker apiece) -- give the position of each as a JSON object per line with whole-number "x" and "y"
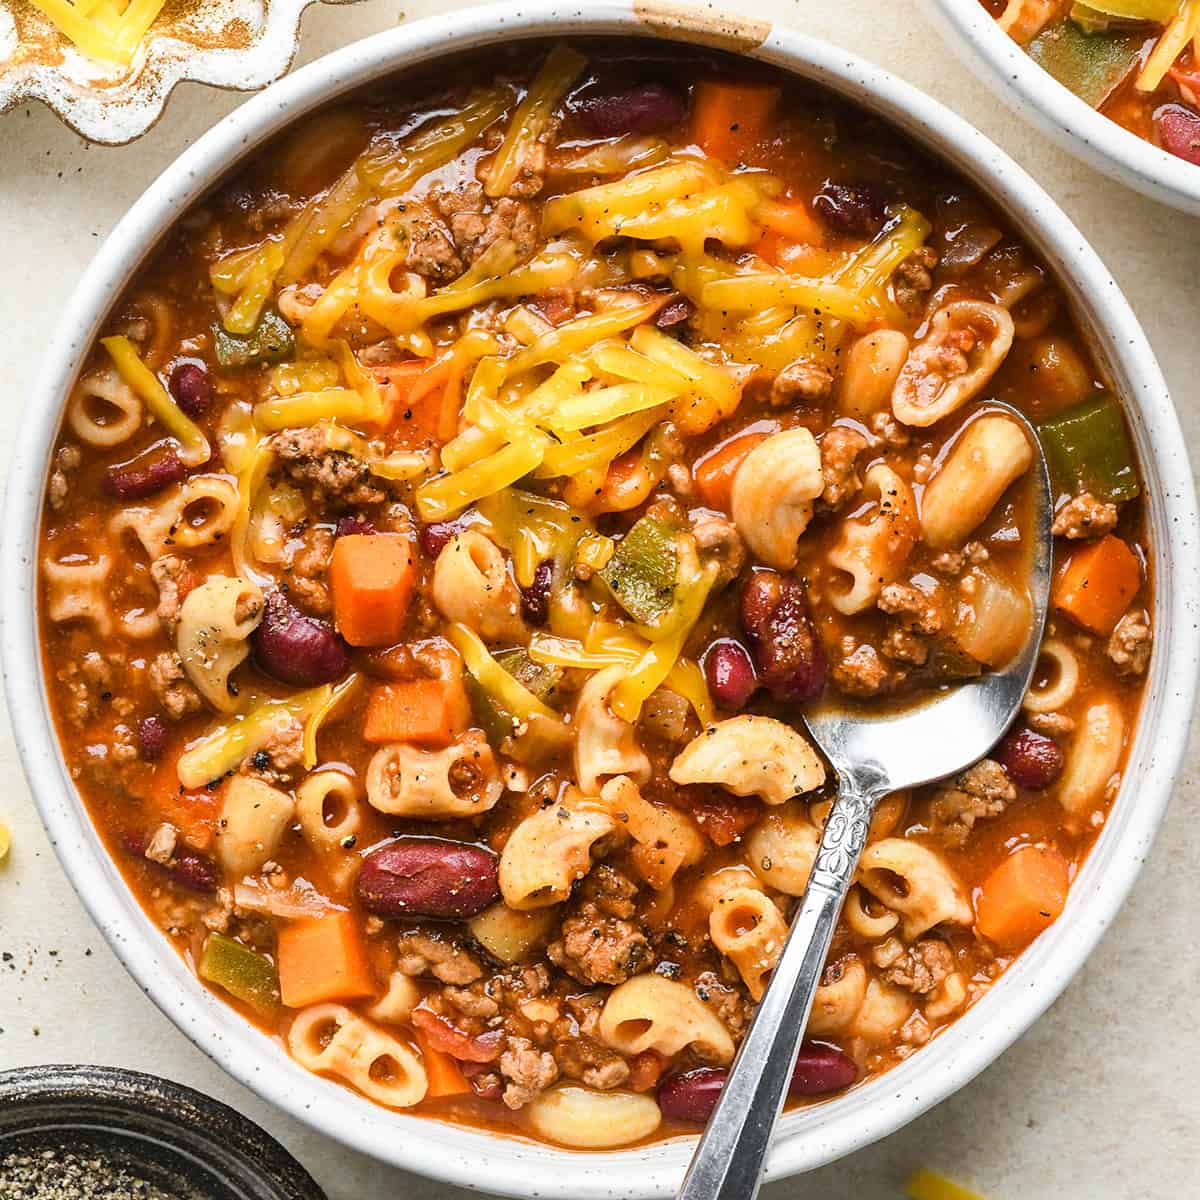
{"x": 792, "y": 221}
{"x": 372, "y": 579}
{"x": 427, "y": 712}
{"x": 444, "y": 1075}
{"x": 729, "y": 118}
{"x": 1022, "y": 896}
{"x": 323, "y": 959}
{"x": 1097, "y": 584}
{"x": 715, "y": 471}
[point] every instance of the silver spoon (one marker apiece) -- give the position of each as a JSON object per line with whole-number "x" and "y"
{"x": 873, "y": 754}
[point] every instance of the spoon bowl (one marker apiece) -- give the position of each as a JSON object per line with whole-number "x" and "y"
{"x": 873, "y": 754}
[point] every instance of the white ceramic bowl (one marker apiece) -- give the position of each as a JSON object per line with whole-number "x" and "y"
{"x": 806, "y": 1139}
{"x": 1035, "y": 94}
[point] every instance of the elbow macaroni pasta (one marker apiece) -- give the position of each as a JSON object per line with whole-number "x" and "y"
{"x": 103, "y": 410}
{"x": 986, "y": 459}
{"x": 773, "y": 494}
{"x": 406, "y": 781}
{"x": 1059, "y": 690}
{"x": 330, "y": 1039}
{"x": 75, "y": 592}
{"x": 652, "y": 1013}
{"x": 213, "y": 639}
{"x": 588, "y": 1120}
{"x": 782, "y": 848}
{"x": 747, "y": 927}
{"x": 551, "y": 850}
{"x": 1094, "y": 757}
{"x": 751, "y": 756}
{"x": 605, "y": 745}
{"x": 472, "y": 585}
{"x": 873, "y": 548}
{"x": 839, "y": 999}
{"x": 254, "y": 818}
{"x": 915, "y": 882}
{"x": 926, "y": 389}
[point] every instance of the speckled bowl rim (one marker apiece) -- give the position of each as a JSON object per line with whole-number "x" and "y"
{"x": 806, "y": 1139}
{"x": 1034, "y": 94}
{"x": 54, "y": 1099}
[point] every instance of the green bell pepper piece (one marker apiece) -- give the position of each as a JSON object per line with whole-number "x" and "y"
{"x": 642, "y": 572}
{"x": 1089, "y": 64}
{"x": 271, "y": 340}
{"x": 1088, "y": 448}
{"x": 244, "y": 973}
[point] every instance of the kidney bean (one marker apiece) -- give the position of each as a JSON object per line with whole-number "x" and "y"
{"x": 150, "y": 472}
{"x": 730, "y": 673}
{"x": 858, "y": 209}
{"x": 1032, "y": 760}
{"x": 152, "y": 738}
{"x": 535, "y": 599}
{"x": 787, "y": 651}
{"x": 642, "y": 108}
{"x": 821, "y": 1068}
{"x": 350, "y": 525}
{"x": 295, "y": 648}
{"x": 693, "y": 1095}
{"x": 435, "y": 537}
{"x": 194, "y": 871}
{"x": 190, "y": 388}
{"x": 1179, "y": 132}
{"x": 188, "y": 868}
{"x": 674, "y": 313}
{"x": 428, "y": 877}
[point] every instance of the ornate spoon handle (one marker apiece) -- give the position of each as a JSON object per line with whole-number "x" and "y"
{"x": 728, "y": 1162}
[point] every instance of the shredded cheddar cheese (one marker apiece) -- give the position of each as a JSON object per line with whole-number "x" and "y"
{"x": 104, "y": 29}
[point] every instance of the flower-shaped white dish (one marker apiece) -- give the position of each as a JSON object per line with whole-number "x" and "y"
{"x": 234, "y": 44}
{"x": 1036, "y": 95}
{"x": 806, "y": 1138}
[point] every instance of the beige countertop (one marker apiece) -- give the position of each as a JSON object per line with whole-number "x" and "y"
{"x": 1097, "y": 1102}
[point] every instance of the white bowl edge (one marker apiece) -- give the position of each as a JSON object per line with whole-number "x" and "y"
{"x": 808, "y": 1138}
{"x": 1034, "y": 94}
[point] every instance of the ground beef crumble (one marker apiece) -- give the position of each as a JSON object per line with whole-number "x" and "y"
{"x": 862, "y": 671}
{"x": 169, "y": 682}
{"x": 840, "y": 449}
{"x": 307, "y": 560}
{"x": 717, "y": 538}
{"x": 804, "y": 380}
{"x": 1130, "y": 644}
{"x": 599, "y": 943}
{"x": 476, "y": 223}
{"x": 332, "y": 477}
{"x": 423, "y": 954}
{"x": 1084, "y": 516}
{"x": 913, "y": 280}
{"x": 983, "y": 790}
{"x": 920, "y": 968}
{"x": 526, "y": 1071}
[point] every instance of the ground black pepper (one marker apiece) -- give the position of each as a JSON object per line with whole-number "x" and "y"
{"x": 65, "y": 1175}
